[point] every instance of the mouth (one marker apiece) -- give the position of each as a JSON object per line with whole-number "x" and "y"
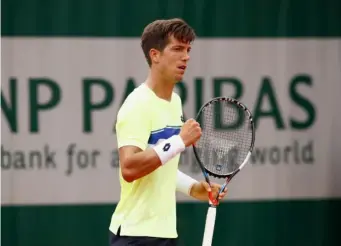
{"x": 182, "y": 68}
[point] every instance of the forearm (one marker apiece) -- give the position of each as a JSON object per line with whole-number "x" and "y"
{"x": 140, "y": 164}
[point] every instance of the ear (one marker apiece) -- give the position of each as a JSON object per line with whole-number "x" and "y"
{"x": 154, "y": 55}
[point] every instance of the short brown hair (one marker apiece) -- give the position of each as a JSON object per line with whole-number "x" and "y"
{"x": 156, "y": 34}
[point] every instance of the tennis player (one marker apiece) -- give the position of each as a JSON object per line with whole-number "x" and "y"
{"x": 150, "y": 137}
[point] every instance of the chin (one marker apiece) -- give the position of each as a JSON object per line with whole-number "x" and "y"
{"x": 178, "y": 79}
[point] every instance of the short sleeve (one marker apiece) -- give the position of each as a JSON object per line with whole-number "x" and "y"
{"x": 133, "y": 125}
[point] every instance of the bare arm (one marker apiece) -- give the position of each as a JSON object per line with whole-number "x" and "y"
{"x": 136, "y": 163}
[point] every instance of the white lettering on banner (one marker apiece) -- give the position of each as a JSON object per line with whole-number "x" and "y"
{"x": 59, "y": 100}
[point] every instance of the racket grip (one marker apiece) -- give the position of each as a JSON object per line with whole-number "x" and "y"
{"x": 209, "y": 226}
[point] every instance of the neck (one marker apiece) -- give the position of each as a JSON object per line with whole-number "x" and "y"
{"x": 162, "y": 87}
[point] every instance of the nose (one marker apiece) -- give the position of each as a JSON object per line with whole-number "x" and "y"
{"x": 186, "y": 57}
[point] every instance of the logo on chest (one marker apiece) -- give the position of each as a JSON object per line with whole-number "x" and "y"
{"x": 182, "y": 118}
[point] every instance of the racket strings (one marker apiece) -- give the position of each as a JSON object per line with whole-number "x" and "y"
{"x": 226, "y": 137}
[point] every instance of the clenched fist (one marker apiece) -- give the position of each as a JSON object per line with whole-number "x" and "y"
{"x": 190, "y": 132}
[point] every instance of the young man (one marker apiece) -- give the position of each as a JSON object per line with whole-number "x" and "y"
{"x": 150, "y": 137}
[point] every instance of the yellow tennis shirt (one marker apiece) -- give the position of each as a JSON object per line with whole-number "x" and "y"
{"x": 147, "y": 206}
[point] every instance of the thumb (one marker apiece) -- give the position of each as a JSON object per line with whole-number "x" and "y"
{"x": 206, "y": 186}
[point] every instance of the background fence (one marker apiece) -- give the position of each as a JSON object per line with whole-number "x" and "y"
{"x": 68, "y": 65}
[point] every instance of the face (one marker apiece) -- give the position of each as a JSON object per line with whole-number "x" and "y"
{"x": 172, "y": 61}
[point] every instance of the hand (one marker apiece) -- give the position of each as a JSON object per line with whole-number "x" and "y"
{"x": 190, "y": 132}
{"x": 200, "y": 191}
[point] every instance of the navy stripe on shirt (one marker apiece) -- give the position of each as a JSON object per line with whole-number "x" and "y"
{"x": 163, "y": 133}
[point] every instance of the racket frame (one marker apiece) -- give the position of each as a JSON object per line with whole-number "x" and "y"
{"x": 214, "y": 201}
{"x": 229, "y": 176}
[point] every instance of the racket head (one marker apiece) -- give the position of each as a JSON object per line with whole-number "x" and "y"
{"x": 228, "y": 137}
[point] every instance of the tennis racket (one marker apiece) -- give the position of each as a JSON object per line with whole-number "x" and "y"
{"x": 224, "y": 148}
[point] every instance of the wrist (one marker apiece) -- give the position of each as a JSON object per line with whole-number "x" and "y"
{"x": 184, "y": 141}
{"x": 169, "y": 148}
{"x": 192, "y": 190}
{"x": 185, "y": 183}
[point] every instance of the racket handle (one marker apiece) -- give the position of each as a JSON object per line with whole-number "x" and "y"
{"x": 209, "y": 226}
